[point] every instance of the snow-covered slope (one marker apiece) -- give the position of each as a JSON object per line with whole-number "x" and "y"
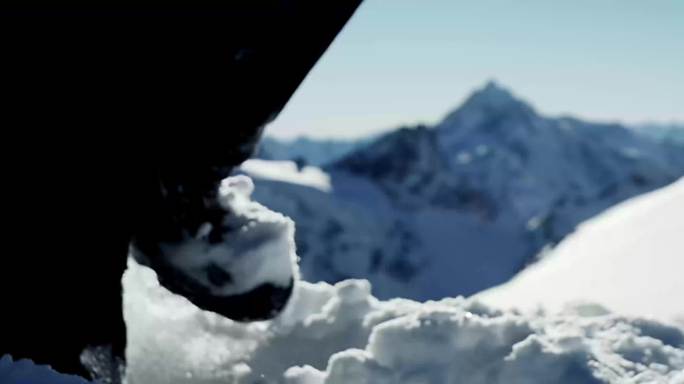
{"x": 311, "y": 151}
{"x": 629, "y": 259}
{"x": 429, "y": 212}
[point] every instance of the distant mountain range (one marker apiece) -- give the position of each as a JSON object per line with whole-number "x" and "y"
{"x": 310, "y": 151}
{"x": 672, "y": 133}
{"x": 319, "y": 152}
{"x": 426, "y": 212}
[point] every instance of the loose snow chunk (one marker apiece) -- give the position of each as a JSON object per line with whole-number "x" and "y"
{"x": 357, "y": 366}
{"x": 257, "y": 248}
{"x": 438, "y": 337}
{"x": 304, "y": 375}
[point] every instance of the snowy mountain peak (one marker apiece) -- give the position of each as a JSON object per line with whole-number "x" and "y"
{"x": 493, "y": 91}
{"x": 491, "y": 101}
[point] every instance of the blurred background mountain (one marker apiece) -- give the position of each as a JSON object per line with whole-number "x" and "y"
{"x": 454, "y": 208}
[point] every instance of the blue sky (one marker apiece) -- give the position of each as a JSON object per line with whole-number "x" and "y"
{"x": 408, "y": 61}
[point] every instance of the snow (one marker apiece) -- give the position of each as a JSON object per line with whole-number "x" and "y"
{"x": 287, "y": 171}
{"x": 257, "y": 246}
{"x": 334, "y": 334}
{"x": 340, "y": 334}
{"x": 629, "y": 259}
{"x": 342, "y": 233}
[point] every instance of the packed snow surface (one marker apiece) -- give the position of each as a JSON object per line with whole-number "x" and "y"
{"x": 629, "y": 259}
{"x": 342, "y": 334}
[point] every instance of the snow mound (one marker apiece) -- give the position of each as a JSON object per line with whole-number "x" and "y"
{"x": 342, "y": 334}
{"x": 629, "y": 259}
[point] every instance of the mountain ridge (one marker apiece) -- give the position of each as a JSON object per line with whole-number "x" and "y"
{"x": 432, "y": 211}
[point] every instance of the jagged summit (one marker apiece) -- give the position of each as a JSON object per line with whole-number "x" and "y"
{"x": 492, "y": 100}
{"x": 493, "y": 91}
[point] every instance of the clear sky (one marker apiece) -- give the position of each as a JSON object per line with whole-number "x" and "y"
{"x": 407, "y": 61}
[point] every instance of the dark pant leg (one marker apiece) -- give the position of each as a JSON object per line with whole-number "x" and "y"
{"x": 66, "y": 238}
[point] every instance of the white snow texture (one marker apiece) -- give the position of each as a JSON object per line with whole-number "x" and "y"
{"x": 630, "y": 259}
{"x": 341, "y": 334}
{"x": 258, "y": 248}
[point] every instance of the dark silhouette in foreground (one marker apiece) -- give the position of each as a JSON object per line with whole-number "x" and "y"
{"x": 119, "y": 122}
